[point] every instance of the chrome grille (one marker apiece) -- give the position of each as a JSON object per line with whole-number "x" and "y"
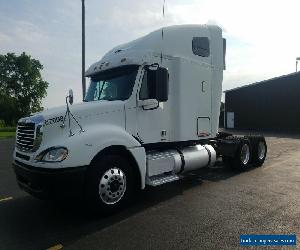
{"x": 25, "y": 136}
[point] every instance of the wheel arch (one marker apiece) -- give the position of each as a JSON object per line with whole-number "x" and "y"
{"x": 125, "y": 152}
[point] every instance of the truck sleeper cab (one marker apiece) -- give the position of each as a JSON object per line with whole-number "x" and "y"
{"x": 150, "y": 115}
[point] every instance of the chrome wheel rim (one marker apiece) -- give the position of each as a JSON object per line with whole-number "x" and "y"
{"x": 245, "y": 154}
{"x": 112, "y": 186}
{"x": 261, "y": 150}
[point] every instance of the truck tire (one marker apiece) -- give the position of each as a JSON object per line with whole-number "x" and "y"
{"x": 242, "y": 157}
{"x": 259, "y": 151}
{"x": 109, "y": 184}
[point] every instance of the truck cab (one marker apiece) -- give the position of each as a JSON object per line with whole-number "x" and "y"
{"x": 150, "y": 115}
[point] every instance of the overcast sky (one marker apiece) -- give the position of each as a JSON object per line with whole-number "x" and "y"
{"x": 263, "y": 37}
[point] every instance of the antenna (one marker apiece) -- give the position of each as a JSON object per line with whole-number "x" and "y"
{"x": 162, "y": 31}
{"x": 83, "y": 49}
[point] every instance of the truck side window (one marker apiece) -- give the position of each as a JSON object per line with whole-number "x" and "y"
{"x": 200, "y": 46}
{"x": 147, "y": 90}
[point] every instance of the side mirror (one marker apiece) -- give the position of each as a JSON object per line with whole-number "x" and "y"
{"x": 162, "y": 84}
{"x": 71, "y": 97}
{"x": 158, "y": 84}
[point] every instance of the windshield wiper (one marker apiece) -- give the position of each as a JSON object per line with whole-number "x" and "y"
{"x": 100, "y": 92}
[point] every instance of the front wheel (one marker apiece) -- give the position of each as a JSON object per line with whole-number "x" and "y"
{"x": 110, "y": 183}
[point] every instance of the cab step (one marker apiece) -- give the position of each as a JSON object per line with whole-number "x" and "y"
{"x": 161, "y": 179}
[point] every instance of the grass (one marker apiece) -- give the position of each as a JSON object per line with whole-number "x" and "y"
{"x": 7, "y": 129}
{"x": 8, "y": 133}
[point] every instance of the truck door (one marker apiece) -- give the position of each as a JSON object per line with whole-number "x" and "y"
{"x": 152, "y": 126}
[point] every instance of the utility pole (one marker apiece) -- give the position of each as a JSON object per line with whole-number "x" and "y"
{"x": 83, "y": 50}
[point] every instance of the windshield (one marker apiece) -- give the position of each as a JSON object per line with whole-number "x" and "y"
{"x": 113, "y": 84}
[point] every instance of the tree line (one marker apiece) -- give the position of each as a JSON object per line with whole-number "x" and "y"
{"x": 22, "y": 87}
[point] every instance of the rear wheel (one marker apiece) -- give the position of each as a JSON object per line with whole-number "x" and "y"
{"x": 242, "y": 157}
{"x": 110, "y": 184}
{"x": 244, "y": 154}
{"x": 259, "y": 151}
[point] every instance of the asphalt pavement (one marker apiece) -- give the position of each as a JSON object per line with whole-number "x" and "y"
{"x": 205, "y": 211}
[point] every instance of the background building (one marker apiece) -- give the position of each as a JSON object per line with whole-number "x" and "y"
{"x": 273, "y": 104}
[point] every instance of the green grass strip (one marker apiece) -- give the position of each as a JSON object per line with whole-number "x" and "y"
{"x": 7, "y": 135}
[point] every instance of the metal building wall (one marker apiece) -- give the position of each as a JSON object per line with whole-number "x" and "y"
{"x": 269, "y": 105}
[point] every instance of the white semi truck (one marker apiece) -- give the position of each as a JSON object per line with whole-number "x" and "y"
{"x": 150, "y": 115}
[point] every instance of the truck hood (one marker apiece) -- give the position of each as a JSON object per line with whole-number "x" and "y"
{"x": 88, "y": 115}
{"x": 84, "y": 108}
{"x": 82, "y": 111}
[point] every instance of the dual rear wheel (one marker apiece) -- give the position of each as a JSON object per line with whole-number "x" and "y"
{"x": 251, "y": 151}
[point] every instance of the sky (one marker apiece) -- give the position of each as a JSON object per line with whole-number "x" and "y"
{"x": 263, "y": 38}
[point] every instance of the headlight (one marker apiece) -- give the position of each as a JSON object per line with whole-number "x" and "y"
{"x": 55, "y": 154}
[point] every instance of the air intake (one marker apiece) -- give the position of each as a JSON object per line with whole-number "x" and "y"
{"x": 25, "y": 136}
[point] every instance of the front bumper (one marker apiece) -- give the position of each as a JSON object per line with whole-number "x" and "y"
{"x": 50, "y": 183}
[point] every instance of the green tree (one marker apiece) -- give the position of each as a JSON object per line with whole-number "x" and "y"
{"x": 22, "y": 87}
